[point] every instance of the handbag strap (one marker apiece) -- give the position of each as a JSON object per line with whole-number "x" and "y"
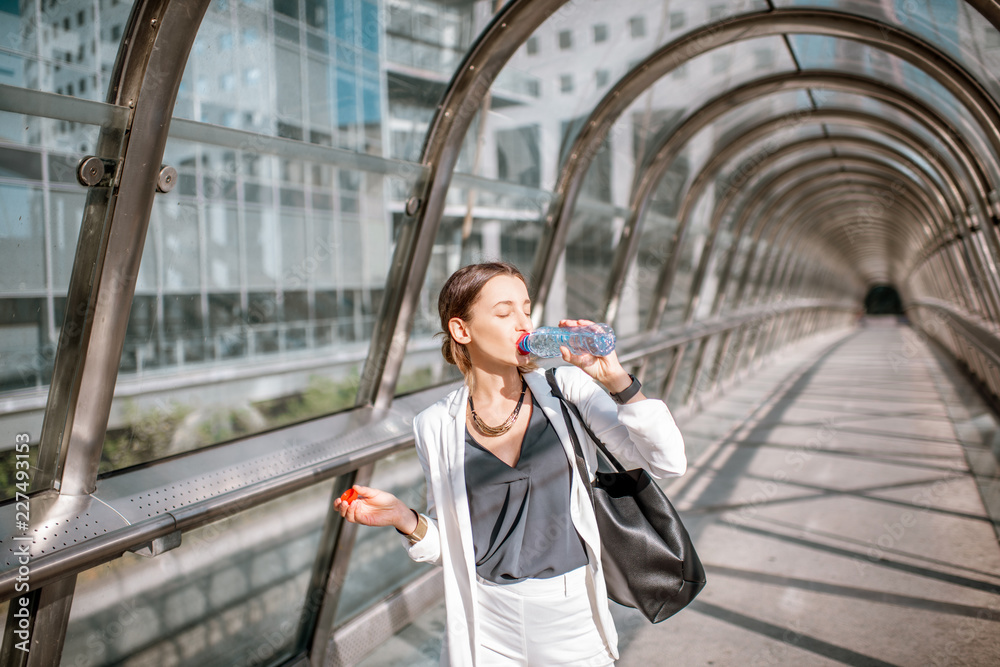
{"x": 550, "y": 375}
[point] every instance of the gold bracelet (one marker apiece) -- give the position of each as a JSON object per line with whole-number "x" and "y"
{"x": 420, "y": 531}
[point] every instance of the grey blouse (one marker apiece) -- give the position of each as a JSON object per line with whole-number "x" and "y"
{"x": 521, "y": 524}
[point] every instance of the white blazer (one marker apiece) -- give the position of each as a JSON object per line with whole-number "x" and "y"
{"x": 640, "y": 434}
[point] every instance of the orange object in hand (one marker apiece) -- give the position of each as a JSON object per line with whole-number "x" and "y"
{"x": 349, "y": 496}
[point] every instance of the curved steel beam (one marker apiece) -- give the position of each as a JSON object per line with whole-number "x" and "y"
{"x": 147, "y": 74}
{"x": 764, "y": 129}
{"x": 700, "y": 118}
{"x": 820, "y": 186}
{"x": 665, "y": 282}
{"x": 777, "y": 22}
{"x": 990, "y": 9}
{"x": 776, "y": 250}
{"x": 787, "y": 199}
{"x": 510, "y": 28}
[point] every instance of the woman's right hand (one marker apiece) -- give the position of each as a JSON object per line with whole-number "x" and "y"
{"x": 373, "y": 507}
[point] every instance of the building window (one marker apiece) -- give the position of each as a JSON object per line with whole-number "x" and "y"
{"x": 66, "y": 23}
{"x": 532, "y": 46}
{"x": 227, "y": 82}
{"x": 69, "y": 88}
{"x": 533, "y": 87}
{"x": 763, "y": 58}
{"x": 676, "y": 20}
{"x": 716, "y": 12}
{"x": 600, "y": 33}
{"x": 116, "y": 32}
{"x": 602, "y": 76}
{"x": 83, "y": 86}
{"x": 720, "y": 63}
{"x": 81, "y": 17}
{"x": 566, "y": 83}
{"x": 637, "y": 26}
{"x": 565, "y": 40}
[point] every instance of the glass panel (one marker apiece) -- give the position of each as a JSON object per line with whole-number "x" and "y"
{"x": 235, "y": 590}
{"x": 259, "y": 266}
{"x": 54, "y": 57}
{"x": 690, "y": 251}
{"x": 878, "y": 137}
{"x": 67, "y": 48}
{"x": 954, "y": 27}
{"x": 569, "y": 65}
{"x": 816, "y": 51}
{"x": 831, "y": 99}
{"x": 673, "y": 98}
{"x": 703, "y": 382}
{"x": 506, "y": 224}
{"x": 264, "y": 269}
{"x": 379, "y": 564}
{"x": 682, "y": 383}
{"x": 736, "y": 274}
{"x": 656, "y": 373}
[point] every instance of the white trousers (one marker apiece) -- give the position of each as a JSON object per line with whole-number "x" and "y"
{"x": 540, "y": 622}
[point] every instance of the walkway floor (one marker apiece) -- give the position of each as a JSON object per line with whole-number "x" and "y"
{"x": 838, "y": 499}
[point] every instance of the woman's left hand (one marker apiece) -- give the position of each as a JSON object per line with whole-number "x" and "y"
{"x": 607, "y": 369}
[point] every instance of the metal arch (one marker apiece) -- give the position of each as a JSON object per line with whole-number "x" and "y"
{"x": 921, "y": 198}
{"x": 709, "y": 244}
{"x": 823, "y": 204}
{"x": 757, "y": 199}
{"x": 703, "y": 116}
{"x": 762, "y": 130}
{"x": 977, "y": 265}
{"x": 766, "y": 268}
{"x": 829, "y": 168}
{"x": 508, "y": 29}
{"x": 147, "y": 74}
{"x": 665, "y": 282}
{"x": 786, "y": 229}
{"x": 831, "y": 232}
{"x": 822, "y": 192}
{"x": 953, "y": 266}
{"x": 990, "y": 9}
{"x": 780, "y": 21}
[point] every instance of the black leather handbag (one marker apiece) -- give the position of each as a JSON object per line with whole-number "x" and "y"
{"x": 649, "y": 560}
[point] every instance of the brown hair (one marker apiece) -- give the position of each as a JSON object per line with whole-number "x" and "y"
{"x": 457, "y": 297}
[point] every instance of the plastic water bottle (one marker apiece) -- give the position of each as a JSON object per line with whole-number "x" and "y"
{"x": 595, "y": 339}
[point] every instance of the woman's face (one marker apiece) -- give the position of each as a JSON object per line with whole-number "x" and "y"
{"x": 500, "y": 316}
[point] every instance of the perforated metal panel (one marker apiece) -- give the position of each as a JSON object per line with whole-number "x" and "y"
{"x": 233, "y": 477}
{"x": 58, "y": 522}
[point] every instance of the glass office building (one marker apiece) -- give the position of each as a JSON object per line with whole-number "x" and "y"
{"x": 224, "y": 225}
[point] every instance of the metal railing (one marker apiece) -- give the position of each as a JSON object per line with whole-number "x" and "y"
{"x": 972, "y": 340}
{"x": 310, "y": 452}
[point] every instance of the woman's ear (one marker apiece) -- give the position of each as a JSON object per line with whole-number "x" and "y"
{"x": 459, "y": 331}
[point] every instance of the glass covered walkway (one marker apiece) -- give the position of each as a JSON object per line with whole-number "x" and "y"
{"x": 840, "y": 522}
{"x": 224, "y": 226}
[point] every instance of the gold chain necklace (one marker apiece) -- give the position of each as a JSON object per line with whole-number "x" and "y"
{"x": 494, "y": 431}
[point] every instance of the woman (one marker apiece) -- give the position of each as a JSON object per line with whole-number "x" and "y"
{"x": 508, "y": 516}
